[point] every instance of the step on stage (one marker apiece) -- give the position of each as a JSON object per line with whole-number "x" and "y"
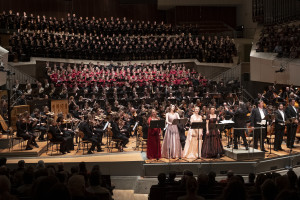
{"x": 243, "y": 154}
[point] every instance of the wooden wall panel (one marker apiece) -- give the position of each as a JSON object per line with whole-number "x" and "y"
{"x": 206, "y": 13}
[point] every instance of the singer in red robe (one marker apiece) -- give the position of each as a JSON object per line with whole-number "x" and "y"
{"x": 153, "y": 143}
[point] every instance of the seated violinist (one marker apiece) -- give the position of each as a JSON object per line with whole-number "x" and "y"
{"x": 65, "y": 128}
{"x": 116, "y": 131}
{"x": 87, "y": 128}
{"x": 58, "y": 136}
{"x": 25, "y": 127}
{"x": 41, "y": 125}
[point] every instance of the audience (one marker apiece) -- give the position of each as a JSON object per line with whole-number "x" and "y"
{"x": 46, "y": 182}
{"x": 268, "y": 186}
{"x": 281, "y": 39}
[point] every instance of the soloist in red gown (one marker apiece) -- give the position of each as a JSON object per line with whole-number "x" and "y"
{"x": 153, "y": 142}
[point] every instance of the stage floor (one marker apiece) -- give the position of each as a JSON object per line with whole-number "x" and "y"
{"x": 131, "y": 153}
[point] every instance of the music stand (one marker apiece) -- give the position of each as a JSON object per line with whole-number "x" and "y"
{"x": 179, "y": 122}
{"x": 198, "y": 125}
{"x": 157, "y": 124}
{"x": 136, "y": 140}
{"x": 228, "y": 122}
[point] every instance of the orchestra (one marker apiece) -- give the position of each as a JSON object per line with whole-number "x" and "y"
{"x": 155, "y": 91}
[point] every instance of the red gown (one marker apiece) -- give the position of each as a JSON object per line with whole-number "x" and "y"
{"x": 153, "y": 143}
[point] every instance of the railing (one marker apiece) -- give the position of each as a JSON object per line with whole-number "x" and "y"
{"x": 247, "y": 97}
{"x": 231, "y": 74}
{"x": 18, "y": 75}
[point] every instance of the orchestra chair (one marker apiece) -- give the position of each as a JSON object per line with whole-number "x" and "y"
{"x": 298, "y": 137}
{"x": 13, "y": 137}
{"x": 84, "y": 143}
{"x": 52, "y": 143}
{"x": 141, "y": 139}
{"x": 113, "y": 142}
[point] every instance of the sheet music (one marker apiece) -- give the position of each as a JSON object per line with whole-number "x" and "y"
{"x": 227, "y": 122}
{"x": 105, "y": 126}
{"x": 136, "y": 123}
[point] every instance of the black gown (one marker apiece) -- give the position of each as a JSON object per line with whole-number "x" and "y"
{"x": 212, "y": 145}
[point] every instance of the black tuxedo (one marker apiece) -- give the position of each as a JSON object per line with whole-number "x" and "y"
{"x": 259, "y": 134}
{"x": 90, "y": 136}
{"x": 279, "y": 129}
{"x": 291, "y": 128}
{"x": 57, "y": 136}
{"x": 240, "y": 119}
{"x": 117, "y": 133}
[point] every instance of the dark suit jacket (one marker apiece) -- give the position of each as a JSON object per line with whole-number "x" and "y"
{"x": 290, "y": 112}
{"x": 278, "y": 117}
{"x": 20, "y": 129}
{"x": 255, "y": 116}
{"x": 86, "y": 129}
{"x": 115, "y": 129}
{"x": 240, "y": 118}
{"x": 55, "y": 134}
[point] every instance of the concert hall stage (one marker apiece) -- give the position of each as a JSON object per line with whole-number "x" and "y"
{"x": 134, "y": 163}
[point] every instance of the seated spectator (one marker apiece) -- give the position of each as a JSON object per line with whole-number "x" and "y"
{"x": 234, "y": 190}
{"x": 171, "y": 179}
{"x": 230, "y": 174}
{"x": 95, "y": 188}
{"x": 191, "y": 190}
{"x": 76, "y": 185}
{"x": 269, "y": 190}
{"x": 5, "y": 189}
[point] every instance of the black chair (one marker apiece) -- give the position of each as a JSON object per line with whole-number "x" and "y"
{"x": 52, "y": 143}
{"x": 85, "y": 143}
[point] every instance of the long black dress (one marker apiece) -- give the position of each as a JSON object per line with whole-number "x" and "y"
{"x": 212, "y": 145}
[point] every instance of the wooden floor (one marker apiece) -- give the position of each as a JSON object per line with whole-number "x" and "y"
{"x": 131, "y": 153}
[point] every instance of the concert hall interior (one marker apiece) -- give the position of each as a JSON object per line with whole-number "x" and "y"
{"x": 149, "y": 99}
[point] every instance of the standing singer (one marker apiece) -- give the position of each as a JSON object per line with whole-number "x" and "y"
{"x": 257, "y": 120}
{"x": 291, "y": 112}
{"x": 171, "y": 147}
{"x": 280, "y": 118}
{"x": 191, "y": 143}
{"x": 212, "y": 145}
{"x": 153, "y": 142}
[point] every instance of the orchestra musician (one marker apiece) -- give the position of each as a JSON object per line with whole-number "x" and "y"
{"x": 280, "y": 118}
{"x": 58, "y": 136}
{"x": 240, "y": 119}
{"x": 25, "y": 127}
{"x": 87, "y": 128}
{"x": 41, "y": 125}
{"x": 257, "y": 120}
{"x": 291, "y": 112}
{"x": 116, "y": 131}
